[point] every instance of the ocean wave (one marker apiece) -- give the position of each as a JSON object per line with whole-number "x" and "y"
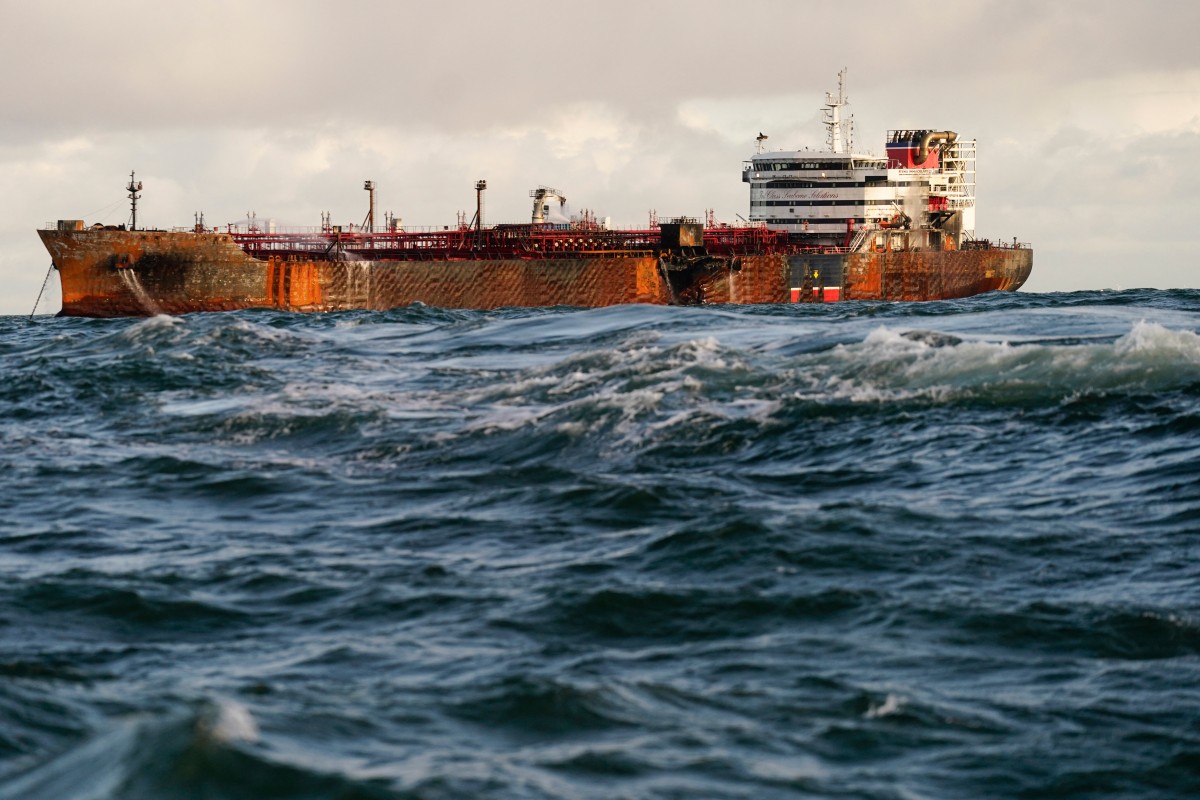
{"x": 205, "y": 752}
{"x": 864, "y": 549}
{"x": 532, "y": 705}
{"x": 890, "y": 366}
{"x": 690, "y": 613}
{"x": 1114, "y": 632}
{"x": 83, "y": 599}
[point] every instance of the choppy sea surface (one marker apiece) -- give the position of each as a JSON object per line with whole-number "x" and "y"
{"x": 863, "y": 550}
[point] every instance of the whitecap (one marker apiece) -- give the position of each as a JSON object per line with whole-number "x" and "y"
{"x": 228, "y": 721}
{"x": 890, "y": 705}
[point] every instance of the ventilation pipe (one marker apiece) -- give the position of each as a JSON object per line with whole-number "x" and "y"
{"x": 541, "y": 196}
{"x": 949, "y": 137}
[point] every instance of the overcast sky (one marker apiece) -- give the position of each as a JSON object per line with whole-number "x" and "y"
{"x": 1087, "y": 114}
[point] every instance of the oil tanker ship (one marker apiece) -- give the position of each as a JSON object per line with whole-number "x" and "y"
{"x": 824, "y": 226}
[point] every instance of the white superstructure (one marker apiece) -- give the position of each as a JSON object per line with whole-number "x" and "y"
{"x": 839, "y": 199}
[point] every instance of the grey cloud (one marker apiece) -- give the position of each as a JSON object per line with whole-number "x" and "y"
{"x": 465, "y": 65}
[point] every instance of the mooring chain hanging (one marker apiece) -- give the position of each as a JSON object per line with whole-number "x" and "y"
{"x": 43, "y": 291}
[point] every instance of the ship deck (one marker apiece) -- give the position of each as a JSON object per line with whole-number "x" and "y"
{"x": 496, "y": 243}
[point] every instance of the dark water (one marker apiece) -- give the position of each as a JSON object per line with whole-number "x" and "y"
{"x": 857, "y": 551}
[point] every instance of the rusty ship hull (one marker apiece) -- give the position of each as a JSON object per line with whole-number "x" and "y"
{"x": 111, "y": 273}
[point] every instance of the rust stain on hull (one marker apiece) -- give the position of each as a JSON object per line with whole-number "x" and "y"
{"x": 180, "y": 272}
{"x": 934, "y": 274}
{"x": 110, "y": 273}
{"x": 101, "y": 273}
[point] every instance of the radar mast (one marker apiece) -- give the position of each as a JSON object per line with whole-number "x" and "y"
{"x": 836, "y": 134}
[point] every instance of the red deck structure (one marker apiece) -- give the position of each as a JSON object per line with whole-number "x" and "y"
{"x": 499, "y": 242}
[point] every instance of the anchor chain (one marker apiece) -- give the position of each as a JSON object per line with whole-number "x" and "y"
{"x": 43, "y": 291}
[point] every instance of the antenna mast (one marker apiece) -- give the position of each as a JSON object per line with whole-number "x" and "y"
{"x": 133, "y": 188}
{"x": 836, "y": 136}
